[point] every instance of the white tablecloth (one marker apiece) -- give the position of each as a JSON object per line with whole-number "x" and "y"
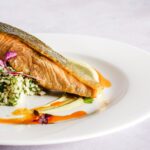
{"x": 124, "y": 20}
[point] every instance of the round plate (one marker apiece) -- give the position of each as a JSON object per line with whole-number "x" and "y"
{"x": 125, "y": 66}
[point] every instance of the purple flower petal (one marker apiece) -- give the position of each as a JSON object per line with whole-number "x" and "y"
{"x": 43, "y": 119}
{"x": 2, "y": 64}
{"x": 10, "y": 55}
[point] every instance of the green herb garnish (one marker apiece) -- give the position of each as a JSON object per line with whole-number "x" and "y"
{"x": 88, "y": 100}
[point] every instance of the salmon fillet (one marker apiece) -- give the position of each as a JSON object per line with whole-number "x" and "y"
{"x": 47, "y": 73}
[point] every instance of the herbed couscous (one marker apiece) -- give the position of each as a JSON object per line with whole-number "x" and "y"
{"x": 13, "y": 86}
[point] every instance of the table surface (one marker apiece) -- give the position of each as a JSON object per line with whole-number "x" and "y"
{"x": 127, "y": 21}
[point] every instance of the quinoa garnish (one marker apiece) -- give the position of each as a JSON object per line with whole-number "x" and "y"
{"x": 12, "y": 87}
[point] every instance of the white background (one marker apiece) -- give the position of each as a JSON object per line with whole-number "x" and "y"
{"x": 123, "y": 20}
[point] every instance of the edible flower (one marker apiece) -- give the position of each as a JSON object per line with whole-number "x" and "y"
{"x": 9, "y": 55}
{"x": 3, "y": 63}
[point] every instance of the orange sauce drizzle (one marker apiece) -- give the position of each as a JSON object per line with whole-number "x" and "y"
{"x": 57, "y": 103}
{"x": 22, "y": 111}
{"x": 103, "y": 81}
{"x": 77, "y": 114}
{"x": 29, "y": 118}
{"x": 54, "y": 104}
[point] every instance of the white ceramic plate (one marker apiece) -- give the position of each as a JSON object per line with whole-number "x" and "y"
{"x": 125, "y": 66}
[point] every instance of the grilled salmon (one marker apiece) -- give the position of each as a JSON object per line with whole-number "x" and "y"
{"x": 51, "y": 70}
